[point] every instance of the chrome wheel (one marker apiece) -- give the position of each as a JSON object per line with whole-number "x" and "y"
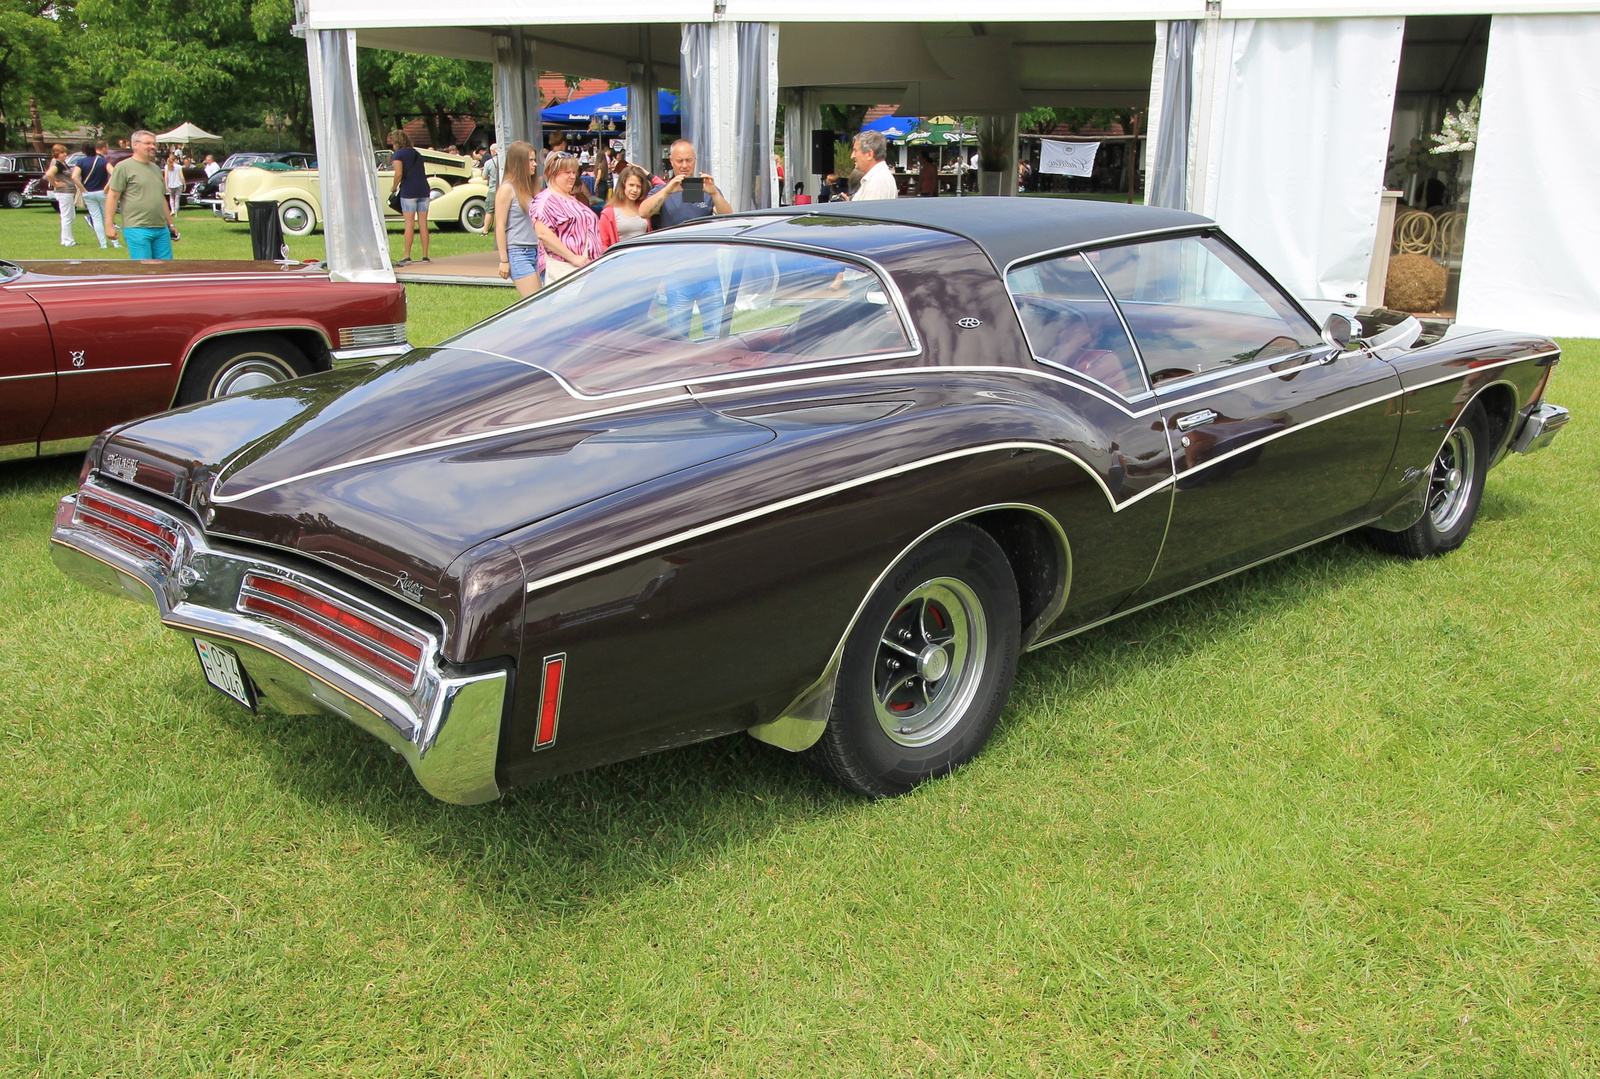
{"x": 250, "y": 371}
{"x": 472, "y": 215}
{"x": 1454, "y": 475}
{"x": 930, "y": 658}
{"x": 297, "y": 218}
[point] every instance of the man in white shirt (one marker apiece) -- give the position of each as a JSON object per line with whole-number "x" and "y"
{"x": 211, "y": 166}
{"x": 877, "y": 182}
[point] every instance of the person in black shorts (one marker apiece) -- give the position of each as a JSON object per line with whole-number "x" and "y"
{"x": 411, "y": 184}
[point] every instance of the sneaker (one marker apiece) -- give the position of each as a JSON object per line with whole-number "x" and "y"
{"x": 425, "y": 258}
{"x": 74, "y": 243}
{"x": 116, "y": 243}
{"x": 403, "y": 262}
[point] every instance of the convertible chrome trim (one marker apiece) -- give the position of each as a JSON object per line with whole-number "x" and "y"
{"x": 800, "y": 724}
{"x": 447, "y": 726}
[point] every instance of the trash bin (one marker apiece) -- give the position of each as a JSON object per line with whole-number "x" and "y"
{"x": 266, "y": 231}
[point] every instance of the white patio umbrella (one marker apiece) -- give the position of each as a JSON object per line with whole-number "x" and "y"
{"x": 187, "y": 133}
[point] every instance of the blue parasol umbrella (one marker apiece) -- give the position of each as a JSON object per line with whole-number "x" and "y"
{"x": 611, "y": 105}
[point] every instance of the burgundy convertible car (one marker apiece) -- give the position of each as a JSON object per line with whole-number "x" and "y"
{"x": 86, "y": 345}
{"x": 819, "y": 475}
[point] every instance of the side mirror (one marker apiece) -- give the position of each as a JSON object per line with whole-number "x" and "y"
{"x": 1339, "y": 330}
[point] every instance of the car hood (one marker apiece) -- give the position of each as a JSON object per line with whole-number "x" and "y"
{"x": 401, "y": 469}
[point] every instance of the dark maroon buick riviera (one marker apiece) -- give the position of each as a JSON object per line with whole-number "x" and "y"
{"x": 815, "y": 475}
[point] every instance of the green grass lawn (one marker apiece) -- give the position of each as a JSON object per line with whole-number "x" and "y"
{"x": 1332, "y": 817}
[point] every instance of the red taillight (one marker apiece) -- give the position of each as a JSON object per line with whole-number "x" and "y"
{"x": 388, "y": 650}
{"x": 550, "y": 700}
{"x": 126, "y": 524}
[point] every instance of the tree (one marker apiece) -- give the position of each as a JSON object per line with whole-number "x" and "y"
{"x": 398, "y": 86}
{"x": 32, "y": 48}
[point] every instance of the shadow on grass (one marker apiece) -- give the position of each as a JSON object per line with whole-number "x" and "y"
{"x": 590, "y": 837}
{"x": 39, "y": 475}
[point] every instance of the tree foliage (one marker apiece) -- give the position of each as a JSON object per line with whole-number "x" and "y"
{"x": 33, "y": 49}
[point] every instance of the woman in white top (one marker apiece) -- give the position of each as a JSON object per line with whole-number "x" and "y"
{"x": 173, "y": 177}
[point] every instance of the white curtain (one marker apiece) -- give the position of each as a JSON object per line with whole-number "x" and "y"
{"x": 1289, "y": 142}
{"x": 1171, "y": 100}
{"x": 516, "y": 90}
{"x": 1533, "y": 224}
{"x": 358, "y": 244}
{"x": 755, "y": 178}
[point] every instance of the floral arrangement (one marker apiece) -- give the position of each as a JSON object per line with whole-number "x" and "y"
{"x": 1459, "y": 132}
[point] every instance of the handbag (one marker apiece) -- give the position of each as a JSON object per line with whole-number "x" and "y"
{"x": 394, "y": 201}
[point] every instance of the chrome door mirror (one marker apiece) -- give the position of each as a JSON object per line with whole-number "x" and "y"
{"x": 1339, "y": 330}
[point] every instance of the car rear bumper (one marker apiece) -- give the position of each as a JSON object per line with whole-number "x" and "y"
{"x": 1540, "y": 428}
{"x": 447, "y": 726}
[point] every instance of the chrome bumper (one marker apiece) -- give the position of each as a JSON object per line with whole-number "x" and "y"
{"x": 349, "y": 357}
{"x": 448, "y": 728}
{"x": 1540, "y": 428}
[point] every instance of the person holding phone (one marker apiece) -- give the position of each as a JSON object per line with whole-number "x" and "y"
{"x": 688, "y": 196}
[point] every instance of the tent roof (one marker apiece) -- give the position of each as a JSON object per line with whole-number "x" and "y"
{"x": 610, "y": 105}
{"x": 187, "y": 132}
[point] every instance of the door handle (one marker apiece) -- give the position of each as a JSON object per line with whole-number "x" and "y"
{"x": 1195, "y": 419}
{"x": 1329, "y": 358}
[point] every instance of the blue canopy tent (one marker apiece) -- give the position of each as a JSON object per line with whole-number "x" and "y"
{"x": 611, "y": 105}
{"x": 893, "y": 127}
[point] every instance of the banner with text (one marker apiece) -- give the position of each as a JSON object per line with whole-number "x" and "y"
{"x": 1067, "y": 158}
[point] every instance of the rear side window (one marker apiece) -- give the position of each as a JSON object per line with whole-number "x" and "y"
{"x": 1071, "y": 323}
{"x": 692, "y": 312}
{"x": 1195, "y": 306}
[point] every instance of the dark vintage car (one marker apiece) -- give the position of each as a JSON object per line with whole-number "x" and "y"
{"x": 17, "y": 172}
{"x": 816, "y": 475}
{"x": 86, "y": 345}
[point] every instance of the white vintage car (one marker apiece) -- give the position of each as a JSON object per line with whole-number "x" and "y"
{"x": 460, "y": 196}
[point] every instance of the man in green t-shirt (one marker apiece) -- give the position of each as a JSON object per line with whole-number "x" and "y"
{"x": 139, "y": 190}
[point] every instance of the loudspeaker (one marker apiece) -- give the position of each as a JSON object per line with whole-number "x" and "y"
{"x": 822, "y": 144}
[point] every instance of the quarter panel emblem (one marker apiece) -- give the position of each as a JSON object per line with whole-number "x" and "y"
{"x": 409, "y": 588}
{"x": 969, "y": 323}
{"x": 124, "y": 468}
{"x": 77, "y": 358}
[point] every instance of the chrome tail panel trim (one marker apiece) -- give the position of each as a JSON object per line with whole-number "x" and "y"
{"x": 447, "y": 726}
{"x": 1540, "y": 428}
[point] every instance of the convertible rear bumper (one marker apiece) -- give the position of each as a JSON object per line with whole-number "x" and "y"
{"x": 446, "y": 724}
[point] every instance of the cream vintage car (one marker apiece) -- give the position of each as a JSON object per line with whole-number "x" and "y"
{"x": 460, "y": 196}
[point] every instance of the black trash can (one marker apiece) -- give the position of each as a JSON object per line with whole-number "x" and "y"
{"x": 266, "y": 231}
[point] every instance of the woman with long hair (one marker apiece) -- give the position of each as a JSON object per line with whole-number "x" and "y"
{"x": 411, "y": 184}
{"x": 621, "y": 220}
{"x": 521, "y": 258}
{"x": 65, "y": 190}
{"x": 567, "y": 229}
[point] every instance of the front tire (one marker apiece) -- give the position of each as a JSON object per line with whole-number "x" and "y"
{"x": 14, "y": 200}
{"x": 240, "y": 362}
{"x": 297, "y": 218}
{"x": 1455, "y": 490}
{"x": 927, "y": 669}
{"x": 472, "y": 215}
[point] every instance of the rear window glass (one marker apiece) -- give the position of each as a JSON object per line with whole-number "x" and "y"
{"x": 693, "y": 312}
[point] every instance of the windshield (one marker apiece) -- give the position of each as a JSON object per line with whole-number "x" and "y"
{"x": 693, "y": 312}
{"x": 9, "y": 270}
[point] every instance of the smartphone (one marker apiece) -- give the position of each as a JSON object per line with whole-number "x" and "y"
{"x": 694, "y": 189}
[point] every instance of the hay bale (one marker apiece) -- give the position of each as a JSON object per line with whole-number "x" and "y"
{"x": 1416, "y": 283}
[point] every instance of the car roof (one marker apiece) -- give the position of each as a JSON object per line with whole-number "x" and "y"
{"x": 1011, "y": 228}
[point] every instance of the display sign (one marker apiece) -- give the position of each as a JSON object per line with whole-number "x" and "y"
{"x": 1067, "y": 158}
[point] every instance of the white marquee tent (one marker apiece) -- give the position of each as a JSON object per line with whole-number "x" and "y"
{"x": 1271, "y": 116}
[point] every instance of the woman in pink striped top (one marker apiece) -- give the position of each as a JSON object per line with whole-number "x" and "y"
{"x": 567, "y": 229}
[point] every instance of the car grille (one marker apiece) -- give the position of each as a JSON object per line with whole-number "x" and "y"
{"x": 384, "y": 646}
{"x": 127, "y": 524}
{"x": 372, "y": 336}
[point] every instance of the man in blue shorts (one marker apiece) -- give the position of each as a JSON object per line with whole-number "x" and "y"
{"x": 139, "y": 190}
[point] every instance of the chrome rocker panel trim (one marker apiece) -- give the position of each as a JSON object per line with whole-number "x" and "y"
{"x": 448, "y": 728}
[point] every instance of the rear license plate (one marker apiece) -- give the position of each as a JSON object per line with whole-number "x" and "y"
{"x": 223, "y": 671}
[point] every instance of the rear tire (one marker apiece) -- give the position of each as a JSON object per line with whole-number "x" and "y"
{"x": 297, "y": 218}
{"x": 472, "y": 216}
{"x": 240, "y": 362}
{"x": 13, "y": 200}
{"x": 927, "y": 669}
{"x": 1455, "y": 489}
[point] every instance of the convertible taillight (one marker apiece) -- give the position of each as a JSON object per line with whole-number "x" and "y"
{"x": 127, "y": 524}
{"x": 387, "y": 649}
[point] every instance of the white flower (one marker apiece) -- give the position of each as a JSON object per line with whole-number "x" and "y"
{"x": 1459, "y": 132}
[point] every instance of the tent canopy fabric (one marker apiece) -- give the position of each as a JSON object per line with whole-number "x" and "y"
{"x": 611, "y": 105}
{"x": 186, "y": 133}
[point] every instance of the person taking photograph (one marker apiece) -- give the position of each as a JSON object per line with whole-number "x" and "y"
{"x": 521, "y": 258}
